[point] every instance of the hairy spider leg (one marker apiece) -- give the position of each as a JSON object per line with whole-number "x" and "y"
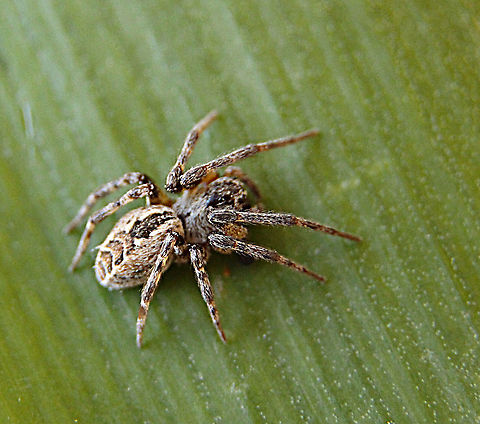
{"x": 229, "y": 244}
{"x": 144, "y": 190}
{"x": 227, "y": 216}
{"x": 150, "y": 286}
{"x": 198, "y": 261}
{"x": 108, "y": 188}
{"x": 195, "y": 175}
{"x": 173, "y": 178}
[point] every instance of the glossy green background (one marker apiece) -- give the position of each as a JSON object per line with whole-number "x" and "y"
{"x": 90, "y": 90}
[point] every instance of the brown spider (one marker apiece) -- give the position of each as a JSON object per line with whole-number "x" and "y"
{"x": 212, "y": 212}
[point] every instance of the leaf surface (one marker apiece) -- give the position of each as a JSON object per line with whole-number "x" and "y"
{"x": 90, "y": 90}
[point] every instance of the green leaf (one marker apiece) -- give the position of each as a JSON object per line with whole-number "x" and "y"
{"x": 90, "y": 90}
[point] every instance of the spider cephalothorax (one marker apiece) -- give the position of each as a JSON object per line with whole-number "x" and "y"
{"x": 212, "y": 212}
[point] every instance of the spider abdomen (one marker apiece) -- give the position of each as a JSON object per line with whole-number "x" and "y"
{"x": 128, "y": 254}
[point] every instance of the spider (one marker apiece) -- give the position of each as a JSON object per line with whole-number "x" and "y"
{"x": 212, "y": 212}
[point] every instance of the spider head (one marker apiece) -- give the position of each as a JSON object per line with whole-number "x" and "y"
{"x": 226, "y": 192}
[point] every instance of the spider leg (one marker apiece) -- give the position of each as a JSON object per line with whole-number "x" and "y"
{"x": 226, "y": 216}
{"x": 110, "y": 187}
{"x": 197, "y": 258}
{"x": 150, "y": 286}
{"x": 227, "y": 244}
{"x": 194, "y": 175}
{"x": 173, "y": 178}
{"x": 144, "y": 190}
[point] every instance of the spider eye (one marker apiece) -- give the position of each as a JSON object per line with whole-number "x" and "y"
{"x": 218, "y": 200}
